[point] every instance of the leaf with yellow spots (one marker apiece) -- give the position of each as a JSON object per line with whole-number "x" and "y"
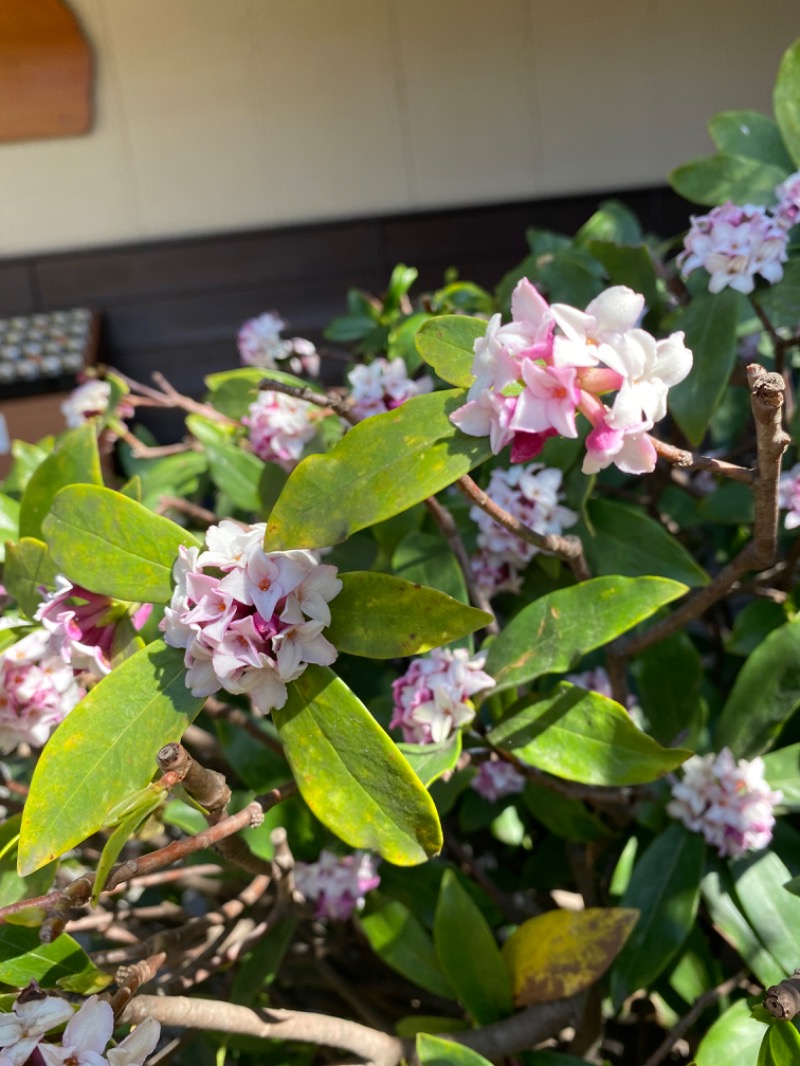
{"x": 562, "y": 952}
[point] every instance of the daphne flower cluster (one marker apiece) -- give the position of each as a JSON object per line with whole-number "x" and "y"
{"x": 280, "y": 426}
{"x": 383, "y": 385}
{"x": 787, "y": 210}
{"x": 789, "y": 496}
{"x": 530, "y": 494}
{"x": 260, "y": 344}
{"x": 337, "y": 884}
{"x": 84, "y": 1039}
{"x": 87, "y": 401}
{"x": 497, "y": 779}
{"x": 433, "y": 697}
{"x": 729, "y": 802}
{"x": 534, "y": 374}
{"x": 259, "y": 625}
{"x": 734, "y": 244}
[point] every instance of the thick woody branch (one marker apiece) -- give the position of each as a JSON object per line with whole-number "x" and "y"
{"x": 783, "y": 1000}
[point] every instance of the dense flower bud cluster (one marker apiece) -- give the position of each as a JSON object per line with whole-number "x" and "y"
{"x": 257, "y": 626}
{"x": 789, "y": 496}
{"x": 433, "y": 697}
{"x": 787, "y": 210}
{"x": 497, "y": 779}
{"x": 383, "y": 385}
{"x": 260, "y": 344}
{"x": 279, "y": 426}
{"x": 37, "y": 690}
{"x": 337, "y": 884}
{"x": 729, "y": 802}
{"x": 87, "y": 401}
{"x": 734, "y": 244}
{"x": 534, "y": 374}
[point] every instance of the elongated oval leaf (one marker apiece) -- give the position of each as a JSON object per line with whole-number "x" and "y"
{"x": 29, "y": 566}
{"x": 75, "y": 461}
{"x": 24, "y": 958}
{"x": 560, "y": 953}
{"x": 104, "y": 750}
{"x": 724, "y": 177}
{"x": 552, "y": 634}
{"x": 583, "y": 736}
{"x": 447, "y": 343}
{"x": 750, "y": 134}
{"x": 469, "y": 956}
{"x": 398, "y": 938}
{"x": 786, "y": 100}
{"x": 430, "y": 761}
{"x": 766, "y": 694}
{"x": 9, "y": 522}
{"x": 381, "y": 467}
{"x": 782, "y": 771}
{"x": 734, "y": 1037}
{"x": 719, "y": 896}
{"x": 780, "y": 1046}
{"x": 383, "y": 617}
{"x": 113, "y": 545}
{"x": 433, "y": 1051}
{"x": 773, "y": 913}
{"x": 665, "y": 889}
{"x": 351, "y": 774}
{"x": 233, "y": 391}
{"x": 427, "y": 560}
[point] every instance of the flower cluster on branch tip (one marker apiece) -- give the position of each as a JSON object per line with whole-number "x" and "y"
{"x": 382, "y": 385}
{"x": 337, "y": 884}
{"x": 260, "y": 344}
{"x": 432, "y": 700}
{"x": 535, "y": 373}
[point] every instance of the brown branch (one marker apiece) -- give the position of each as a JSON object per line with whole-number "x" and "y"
{"x": 449, "y": 530}
{"x": 201, "y": 515}
{"x": 783, "y": 1000}
{"x": 323, "y": 400}
{"x": 691, "y": 1016}
{"x": 685, "y": 460}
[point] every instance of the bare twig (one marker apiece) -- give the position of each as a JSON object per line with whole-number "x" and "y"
{"x": 449, "y": 530}
{"x": 689, "y": 461}
{"x": 324, "y": 400}
{"x": 691, "y": 1016}
{"x": 201, "y": 515}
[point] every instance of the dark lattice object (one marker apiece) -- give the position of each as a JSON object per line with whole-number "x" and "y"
{"x": 46, "y": 352}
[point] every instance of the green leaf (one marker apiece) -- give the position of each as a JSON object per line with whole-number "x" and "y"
{"x": 26, "y": 459}
{"x": 104, "y": 750}
{"x": 782, "y": 771}
{"x": 752, "y": 135}
{"x": 427, "y": 559}
{"x": 433, "y": 1051}
{"x": 235, "y": 472}
{"x": 786, "y": 100}
{"x": 261, "y": 965}
{"x": 665, "y": 888}
{"x": 669, "y": 677}
{"x": 382, "y": 617}
{"x": 612, "y": 222}
{"x": 148, "y": 800}
{"x": 719, "y": 895}
{"x": 447, "y": 343}
{"x": 709, "y": 323}
{"x": 112, "y": 545}
{"x": 630, "y": 265}
{"x": 626, "y": 541}
{"x": 752, "y": 625}
{"x": 381, "y": 467}
{"x": 9, "y": 522}
{"x": 734, "y": 1037}
{"x": 469, "y": 956}
{"x": 24, "y": 958}
{"x": 583, "y": 736}
{"x": 780, "y": 301}
{"x": 765, "y": 695}
{"x": 173, "y": 475}
{"x": 29, "y": 565}
{"x": 351, "y": 774}
{"x": 780, "y": 1046}
{"x": 773, "y": 913}
{"x": 232, "y": 392}
{"x": 403, "y": 277}
{"x": 430, "y": 761}
{"x": 75, "y": 461}
{"x": 552, "y": 634}
{"x": 398, "y": 938}
{"x": 722, "y": 177}
{"x": 12, "y": 886}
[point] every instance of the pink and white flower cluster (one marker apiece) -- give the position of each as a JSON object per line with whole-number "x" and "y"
{"x": 534, "y": 374}
{"x": 256, "y": 627}
{"x": 497, "y": 779}
{"x": 433, "y": 697}
{"x": 734, "y": 244}
{"x": 87, "y": 401}
{"x": 383, "y": 385}
{"x": 789, "y": 496}
{"x": 729, "y": 802}
{"x": 84, "y": 1039}
{"x": 260, "y": 344}
{"x": 530, "y": 494}
{"x": 337, "y": 884}
{"x": 787, "y": 210}
{"x": 280, "y": 426}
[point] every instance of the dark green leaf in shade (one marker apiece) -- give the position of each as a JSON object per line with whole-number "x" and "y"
{"x": 729, "y": 504}
{"x": 173, "y": 475}
{"x": 260, "y": 966}
{"x": 433, "y": 1051}
{"x": 24, "y": 958}
{"x": 612, "y": 222}
{"x": 76, "y": 460}
{"x": 552, "y": 1058}
{"x": 104, "y": 750}
{"x": 9, "y": 522}
{"x": 112, "y": 545}
{"x": 351, "y": 774}
{"x": 786, "y": 100}
{"x": 428, "y": 1023}
{"x": 626, "y": 541}
{"x": 765, "y": 695}
{"x": 381, "y": 467}
{"x": 780, "y": 1046}
{"x": 669, "y": 677}
{"x": 12, "y": 886}
{"x": 780, "y": 301}
{"x": 397, "y": 937}
{"x": 29, "y": 566}
{"x": 733, "y": 1038}
{"x": 270, "y": 485}
{"x": 447, "y": 344}
{"x": 234, "y": 471}
{"x": 721, "y": 177}
{"x": 430, "y": 761}
{"x": 719, "y": 896}
{"x": 630, "y": 265}
{"x": 563, "y": 816}
{"x": 469, "y": 956}
{"x": 752, "y": 625}
{"x": 552, "y": 634}
{"x": 773, "y": 913}
{"x": 709, "y": 323}
{"x": 382, "y": 617}
{"x": 583, "y": 736}
{"x": 752, "y": 135}
{"x": 427, "y": 559}
{"x": 782, "y": 771}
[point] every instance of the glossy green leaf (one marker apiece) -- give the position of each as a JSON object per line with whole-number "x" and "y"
{"x": 24, "y": 958}
{"x": 172, "y": 475}
{"x": 433, "y": 1051}
{"x": 397, "y": 937}
{"x": 110, "y": 544}
{"x": 351, "y": 774}
{"x": 27, "y": 458}
{"x": 235, "y": 471}
{"x": 382, "y": 617}
{"x": 612, "y": 222}
{"x": 782, "y": 771}
{"x": 780, "y": 1046}
{"x": 709, "y": 323}
{"x": 447, "y": 343}
{"x": 752, "y": 135}
{"x": 430, "y": 761}
{"x": 381, "y": 467}
{"x": 567, "y": 818}
{"x": 104, "y": 750}
{"x": 553, "y": 633}
{"x": 734, "y": 1037}
{"x": 29, "y": 565}
{"x": 148, "y": 800}
{"x": 722, "y": 177}
{"x": 76, "y": 461}
{"x": 719, "y": 896}
{"x": 583, "y": 736}
{"x": 669, "y": 677}
{"x": 9, "y": 522}
{"x": 231, "y": 392}
{"x": 427, "y": 560}
{"x": 786, "y": 100}
{"x": 773, "y": 913}
{"x": 780, "y": 301}
{"x": 469, "y": 956}
{"x": 630, "y": 265}
{"x": 626, "y": 541}
{"x": 765, "y": 695}
{"x": 12, "y": 886}
{"x": 665, "y": 888}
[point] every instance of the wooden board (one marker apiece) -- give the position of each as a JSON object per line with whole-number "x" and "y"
{"x": 45, "y": 71}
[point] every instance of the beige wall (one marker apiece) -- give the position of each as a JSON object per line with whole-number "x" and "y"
{"x": 216, "y": 115}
